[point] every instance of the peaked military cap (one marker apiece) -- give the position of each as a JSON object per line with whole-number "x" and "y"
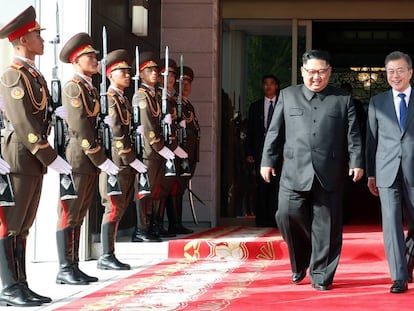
{"x": 171, "y": 64}
{"x": 188, "y": 73}
{"x": 117, "y": 59}
{"x": 146, "y": 60}
{"x": 76, "y": 46}
{"x": 22, "y": 24}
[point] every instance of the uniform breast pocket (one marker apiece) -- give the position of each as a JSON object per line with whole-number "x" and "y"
{"x": 295, "y": 112}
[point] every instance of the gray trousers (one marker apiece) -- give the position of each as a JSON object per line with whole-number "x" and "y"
{"x": 397, "y": 201}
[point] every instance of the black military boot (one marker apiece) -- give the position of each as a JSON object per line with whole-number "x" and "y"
{"x": 76, "y": 241}
{"x": 108, "y": 261}
{"x": 68, "y": 273}
{"x": 157, "y": 223}
{"x": 20, "y": 260}
{"x": 176, "y": 226}
{"x": 142, "y": 231}
{"x": 13, "y": 293}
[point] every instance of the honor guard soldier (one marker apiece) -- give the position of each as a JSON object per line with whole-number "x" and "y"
{"x": 26, "y": 149}
{"x": 156, "y": 153}
{"x": 123, "y": 155}
{"x": 84, "y": 152}
{"x": 171, "y": 184}
{"x": 191, "y": 145}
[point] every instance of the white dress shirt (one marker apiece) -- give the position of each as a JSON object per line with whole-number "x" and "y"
{"x": 397, "y": 100}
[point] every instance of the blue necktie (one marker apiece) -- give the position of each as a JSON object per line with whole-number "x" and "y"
{"x": 269, "y": 114}
{"x": 403, "y": 110}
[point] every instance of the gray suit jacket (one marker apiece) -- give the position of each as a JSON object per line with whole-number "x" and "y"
{"x": 320, "y": 135}
{"x": 388, "y": 147}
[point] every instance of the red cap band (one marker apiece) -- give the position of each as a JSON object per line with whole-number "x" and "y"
{"x": 83, "y": 49}
{"x": 32, "y": 25}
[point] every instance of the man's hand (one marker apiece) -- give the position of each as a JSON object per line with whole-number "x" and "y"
{"x": 250, "y": 159}
{"x": 357, "y": 172}
{"x": 267, "y": 173}
{"x": 372, "y": 186}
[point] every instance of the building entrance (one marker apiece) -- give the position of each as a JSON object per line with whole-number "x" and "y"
{"x": 252, "y": 49}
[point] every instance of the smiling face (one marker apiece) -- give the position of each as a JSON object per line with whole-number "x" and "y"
{"x": 315, "y": 74}
{"x": 398, "y": 74}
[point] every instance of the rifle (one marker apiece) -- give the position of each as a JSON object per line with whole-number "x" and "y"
{"x": 143, "y": 183}
{"x": 6, "y": 190}
{"x": 166, "y": 128}
{"x": 67, "y": 185}
{"x": 185, "y": 164}
{"x": 113, "y": 186}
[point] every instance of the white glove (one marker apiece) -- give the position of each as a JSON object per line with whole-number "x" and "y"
{"x": 109, "y": 167}
{"x": 180, "y": 152}
{"x": 61, "y": 166}
{"x": 1, "y": 103}
{"x": 166, "y": 153}
{"x": 138, "y": 166}
{"x": 183, "y": 124}
{"x": 4, "y": 167}
{"x": 141, "y": 130}
{"x": 168, "y": 119}
{"x": 62, "y": 113}
{"x": 108, "y": 121}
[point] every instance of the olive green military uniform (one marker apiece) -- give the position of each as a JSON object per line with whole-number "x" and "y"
{"x": 122, "y": 155}
{"x": 83, "y": 151}
{"x": 27, "y": 150}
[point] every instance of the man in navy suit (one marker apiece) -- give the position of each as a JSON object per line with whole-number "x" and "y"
{"x": 260, "y": 114}
{"x": 315, "y": 129}
{"x": 390, "y": 165}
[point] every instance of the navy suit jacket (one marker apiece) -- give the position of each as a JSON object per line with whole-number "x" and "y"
{"x": 387, "y": 147}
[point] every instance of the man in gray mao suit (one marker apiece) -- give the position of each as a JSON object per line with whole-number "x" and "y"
{"x": 390, "y": 165}
{"x": 317, "y": 127}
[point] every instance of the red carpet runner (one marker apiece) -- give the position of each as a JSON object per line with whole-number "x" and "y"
{"x": 248, "y": 269}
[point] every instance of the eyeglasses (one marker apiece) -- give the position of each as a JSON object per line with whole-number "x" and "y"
{"x": 320, "y": 72}
{"x": 398, "y": 71}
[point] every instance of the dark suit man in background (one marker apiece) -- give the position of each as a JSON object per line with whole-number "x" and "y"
{"x": 316, "y": 126}
{"x": 260, "y": 114}
{"x": 390, "y": 165}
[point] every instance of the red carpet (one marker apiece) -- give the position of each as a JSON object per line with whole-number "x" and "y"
{"x": 248, "y": 269}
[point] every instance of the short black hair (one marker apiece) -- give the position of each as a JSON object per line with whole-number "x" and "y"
{"x": 265, "y": 77}
{"x": 399, "y": 55}
{"x": 316, "y": 54}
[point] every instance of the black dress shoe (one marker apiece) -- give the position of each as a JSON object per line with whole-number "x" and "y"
{"x": 82, "y": 275}
{"x": 410, "y": 278}
{"x": 16, "y": 295}
{"x": 144, "y": 236}
{"x": 298, "y": 276}
{"x": 179, "y": 229}
{"x": 68, "y": 275}
{"x": 110, "y": 262}
{"x": 399, "y": 287}
{"x": 321, "y": 287}
{"x": 33, "y": 296}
